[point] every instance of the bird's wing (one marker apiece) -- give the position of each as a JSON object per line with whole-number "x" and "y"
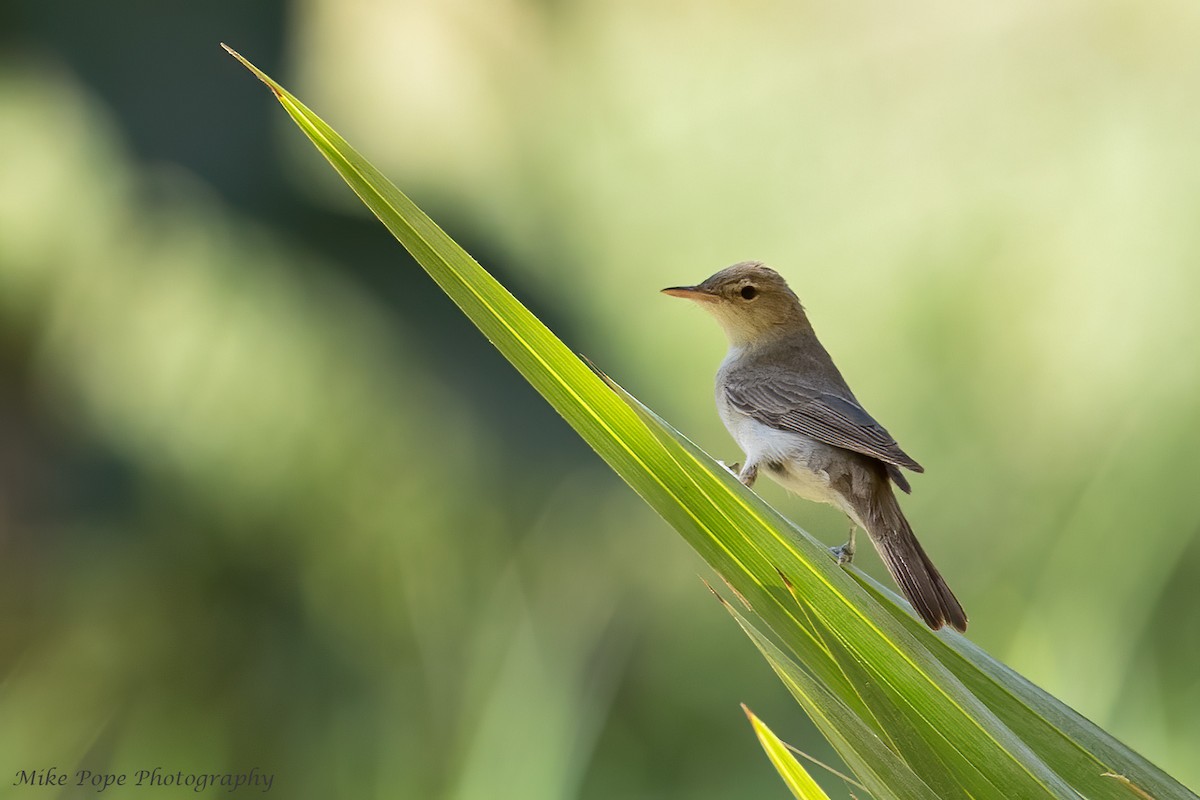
{"x": 788, "y": 404}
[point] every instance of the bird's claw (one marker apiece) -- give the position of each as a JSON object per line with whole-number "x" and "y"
{"x": 746, "y": 476}
{"x": 844, "y": 553}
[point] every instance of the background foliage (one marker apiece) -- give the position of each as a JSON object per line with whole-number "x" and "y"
{"x": 265, "y": 505}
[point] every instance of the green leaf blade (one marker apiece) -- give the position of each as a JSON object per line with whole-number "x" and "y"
{"x": 842, "y": 633}
{"x": 690, "y": 499}
{"x": 1084, "y": 752}
{"x": 801, "y": 784}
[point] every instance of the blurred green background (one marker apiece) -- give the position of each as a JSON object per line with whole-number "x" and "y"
{"x": 267, "y": 499}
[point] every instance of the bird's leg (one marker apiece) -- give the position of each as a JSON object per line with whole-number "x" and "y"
{"x": 845, "y": 552}
{"x": 747, "y": 474}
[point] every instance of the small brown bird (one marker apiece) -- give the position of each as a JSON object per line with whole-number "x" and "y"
{"x": 793, "y": 415}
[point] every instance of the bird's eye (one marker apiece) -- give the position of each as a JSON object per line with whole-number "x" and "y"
{"x": 749, "y": 293}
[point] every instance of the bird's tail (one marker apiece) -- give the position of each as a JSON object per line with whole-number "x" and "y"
{"x": 910, "y": 567}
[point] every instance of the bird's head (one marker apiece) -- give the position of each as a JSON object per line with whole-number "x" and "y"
{"x": 749, "y": 300}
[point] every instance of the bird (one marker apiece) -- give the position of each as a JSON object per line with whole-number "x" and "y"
{"x": 789, "y": 409}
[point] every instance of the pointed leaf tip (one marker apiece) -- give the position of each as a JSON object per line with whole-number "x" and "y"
{"x": 601, "y": 374}
{"x": 258, "y": 73}
{"x": 794, "y": 775}
{"x": 715, "y": 593}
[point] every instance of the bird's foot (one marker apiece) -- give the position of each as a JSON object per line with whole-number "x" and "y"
{"x": 748, "y": 474}
{"x": 844, "y": 553}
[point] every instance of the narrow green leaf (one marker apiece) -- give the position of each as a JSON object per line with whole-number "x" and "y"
{"x": 1084, "y": 753}
{"x": 746, "y": 542}
{"x": 717, "y": 517}
{"x": 793, "y": 774}
{"x": 881, "y": 770}
{"x": 914, "y": 703}
{"x": 906, "y": 735}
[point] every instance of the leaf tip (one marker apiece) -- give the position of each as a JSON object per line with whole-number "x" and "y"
{"x": 715, "y": 593}
{"x": 737, "y": 594}
{"x": 601, "y": 374}
{"x": 258, "y": 73}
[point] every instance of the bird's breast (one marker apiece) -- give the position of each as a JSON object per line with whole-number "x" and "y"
{"x": 796, "y": 462}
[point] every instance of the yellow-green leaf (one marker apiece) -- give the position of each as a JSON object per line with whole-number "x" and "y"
{"x": 793, "y": 774}
{"x": 858, "y": 664}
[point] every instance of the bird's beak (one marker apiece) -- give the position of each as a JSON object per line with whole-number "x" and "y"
{"x": 691, "y": 293}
